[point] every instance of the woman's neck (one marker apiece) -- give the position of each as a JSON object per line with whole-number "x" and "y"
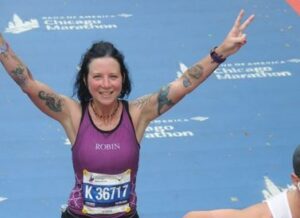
{"x": 105, "y": 113}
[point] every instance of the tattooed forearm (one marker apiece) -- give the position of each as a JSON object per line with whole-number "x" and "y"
{"x": 163, "y": 99}
{"x": 193, "y": 73}
{"x": 19, "y": 75}
{"x": 142, "y": 101}
{"x": 53, "y": 102}
{"x": 14, "y": 66}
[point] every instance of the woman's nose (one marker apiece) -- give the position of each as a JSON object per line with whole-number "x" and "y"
{"x": 105, "y": 82}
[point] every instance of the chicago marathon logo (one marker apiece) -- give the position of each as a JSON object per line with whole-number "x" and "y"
{"x": 66, "y": 23}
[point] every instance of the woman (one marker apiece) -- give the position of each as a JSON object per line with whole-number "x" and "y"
{"x": 105, "y": 131}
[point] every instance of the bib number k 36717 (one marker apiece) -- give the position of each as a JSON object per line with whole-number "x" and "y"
{"x": 106, "y": 194}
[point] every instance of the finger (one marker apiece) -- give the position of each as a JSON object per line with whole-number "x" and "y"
{"x": 239, "y": 18}
{"x": 247, "y": 22}
{"x": 240, "y": 40}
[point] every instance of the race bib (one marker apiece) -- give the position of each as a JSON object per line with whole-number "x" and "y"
{"x": 106, "y": 194}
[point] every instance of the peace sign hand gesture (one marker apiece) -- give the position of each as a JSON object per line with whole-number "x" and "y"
{"x": 236, "y": 38}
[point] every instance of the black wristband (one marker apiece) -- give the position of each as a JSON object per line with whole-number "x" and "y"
{"x": 216, "y": 57}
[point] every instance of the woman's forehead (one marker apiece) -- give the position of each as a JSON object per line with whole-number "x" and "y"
{"x": 104, "y": 64}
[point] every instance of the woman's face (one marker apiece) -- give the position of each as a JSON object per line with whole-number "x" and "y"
{"x": 104, "y": 80}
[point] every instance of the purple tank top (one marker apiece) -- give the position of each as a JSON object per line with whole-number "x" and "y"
{"x": 105, "y": 165}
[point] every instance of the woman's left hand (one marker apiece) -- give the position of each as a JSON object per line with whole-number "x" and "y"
{"x": 236, "y": 38}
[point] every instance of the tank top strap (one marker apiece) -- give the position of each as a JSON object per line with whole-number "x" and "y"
{"x": 126, "y": 106}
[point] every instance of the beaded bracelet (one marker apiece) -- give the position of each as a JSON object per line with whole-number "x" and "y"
{"x": 3, "y": 48}
{"x": 216, "y": 57}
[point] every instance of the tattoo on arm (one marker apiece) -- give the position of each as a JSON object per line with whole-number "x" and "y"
{"x": 195, "y": 71}
{"x": 5, "y": 55}
{"x": 186, "y": 81}
{"x": 163, "y": 99}
{"x": 53, "y": 102}
{"x": 18, "y": 75}
{"x": 142, "y": 101}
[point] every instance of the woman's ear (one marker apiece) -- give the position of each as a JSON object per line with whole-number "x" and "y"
{"x": 295, "y": 180}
